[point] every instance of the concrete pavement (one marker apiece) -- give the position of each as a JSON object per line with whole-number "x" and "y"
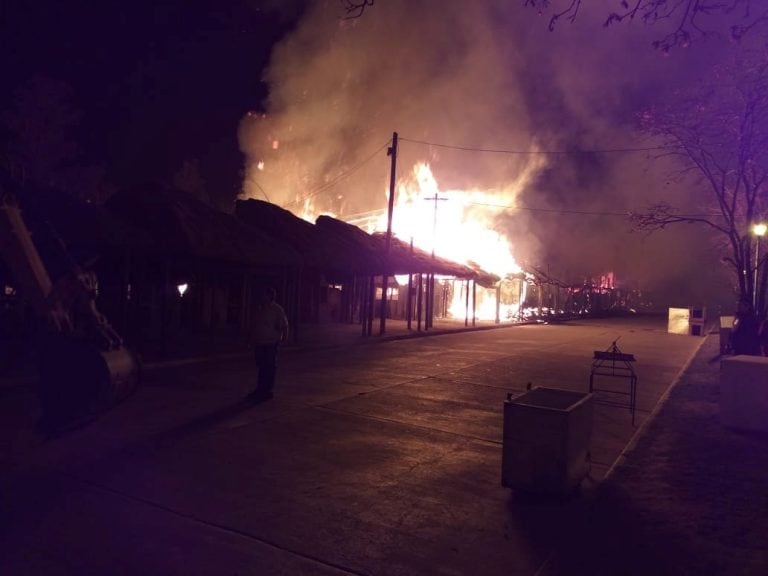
{"x": 687, "y": 498}
{"x": 377, "y": 459}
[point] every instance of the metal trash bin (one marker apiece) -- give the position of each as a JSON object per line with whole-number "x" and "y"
{"x": 547, "y": 433}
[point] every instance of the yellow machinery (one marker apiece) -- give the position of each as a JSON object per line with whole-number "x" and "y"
{"x": 82, "y": 363}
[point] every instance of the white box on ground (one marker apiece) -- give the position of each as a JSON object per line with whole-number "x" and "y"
{"x": 690, "y": 321}
{"x": 547, "y": 433}
{"x": 744, "y": 392}
{"x": 679, "y": 321}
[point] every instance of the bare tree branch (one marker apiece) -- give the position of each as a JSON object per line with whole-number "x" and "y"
{"x": 691, "y": 19}
{"x": 719, "y": 131}
{"x": 568, "y": 13}
{"x": 355, "y": 8}
{"x": 659, "y": 216}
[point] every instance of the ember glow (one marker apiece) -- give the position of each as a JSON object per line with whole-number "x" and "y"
{"x": 459, "y": 86}
{"x": 455, "y": 224}
{"x": 459, "y": 225}
{"x": 502, "y": 303}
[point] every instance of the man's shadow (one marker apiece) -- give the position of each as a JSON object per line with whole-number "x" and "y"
{"x": 206, "y": 421}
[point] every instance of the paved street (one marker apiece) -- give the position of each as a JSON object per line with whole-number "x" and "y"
{"x": 372, "y": 459}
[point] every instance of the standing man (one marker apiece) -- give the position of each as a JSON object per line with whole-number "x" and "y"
{"x": 269, "y": 328}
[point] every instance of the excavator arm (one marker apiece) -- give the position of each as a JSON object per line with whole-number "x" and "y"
{"x": 83, "y": 364}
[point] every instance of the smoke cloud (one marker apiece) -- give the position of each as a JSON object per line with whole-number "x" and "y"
{"x": 481, "y": 76}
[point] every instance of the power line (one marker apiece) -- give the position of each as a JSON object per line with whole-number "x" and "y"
{"x": 359, "y": 165}
{"x": 580, "y": 212}
{"x": 341, "y": 176}
{"x": 367, "y": 159}
{"x": 535, "y": 152}
{"x": 553, "y": 210}
{"x": 372, "y": 214}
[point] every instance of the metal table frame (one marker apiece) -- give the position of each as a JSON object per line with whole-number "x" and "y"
{"x": 615, "y": 364}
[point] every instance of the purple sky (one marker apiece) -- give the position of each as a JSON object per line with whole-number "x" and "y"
{"x": 488, "y": 75}
{"x": 158, "y": 83}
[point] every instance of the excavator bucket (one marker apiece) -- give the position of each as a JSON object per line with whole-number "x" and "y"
{"x": 77, "y": 381}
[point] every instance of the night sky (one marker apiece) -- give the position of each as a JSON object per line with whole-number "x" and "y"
{"x": 155, "y": 83}
{"x": 158, "y": 85}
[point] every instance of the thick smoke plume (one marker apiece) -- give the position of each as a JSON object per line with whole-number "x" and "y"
{"x": 481, "y": 76}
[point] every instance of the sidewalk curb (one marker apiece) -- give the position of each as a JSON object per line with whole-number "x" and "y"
{"x": 642, "y": 429}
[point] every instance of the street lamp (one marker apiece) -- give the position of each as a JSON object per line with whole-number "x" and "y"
{"x": 759, "y": 231}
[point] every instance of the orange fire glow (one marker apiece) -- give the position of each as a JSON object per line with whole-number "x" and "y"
{"x": 455, "y": 224}
{"x": 459, "y": 225}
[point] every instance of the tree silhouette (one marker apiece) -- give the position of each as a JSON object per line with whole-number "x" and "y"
{"x": 40, "y": 125}
{"x": 718, "y": 134}
{"x": 355, "y": 8}
{"x": 42, "y": 141}
{"x": 690, "y": 19}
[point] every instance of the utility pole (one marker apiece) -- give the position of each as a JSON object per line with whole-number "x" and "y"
{"x": 428, "y": 320}
{"x": 434, "y": 199}
{"x": 408, "y": 310}
{"x": 392, "y": 152}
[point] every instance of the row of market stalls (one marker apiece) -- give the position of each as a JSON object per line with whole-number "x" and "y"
{"x": 345, "y": 271}
{"x": 169, "y": 264}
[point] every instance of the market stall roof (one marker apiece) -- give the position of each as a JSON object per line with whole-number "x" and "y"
{"x": 368, "y": 258}
{"x": 318, "y": 248}
{"x": 335, "y": 246}
{"x": 179, "y": 223}
{"x": 402, "y": 258}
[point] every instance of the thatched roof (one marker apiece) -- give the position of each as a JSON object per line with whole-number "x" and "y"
{"x": 179, "y": 223}
{"x": 405, "y": 258}
{"x": 330, "y": 245}
{"x": 334, "y": 246}
{"x": 367, "y": 255}
{"x": 278, "y": 223}
{"x": 402, "y": 258}
{"x": 317, "y": 249}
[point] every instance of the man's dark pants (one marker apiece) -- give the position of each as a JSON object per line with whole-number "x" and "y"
{"x": 266, "y": 361}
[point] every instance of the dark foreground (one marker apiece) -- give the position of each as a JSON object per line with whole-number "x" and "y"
{"x": 385, "y": 459}
{"x": 691, "y": 497}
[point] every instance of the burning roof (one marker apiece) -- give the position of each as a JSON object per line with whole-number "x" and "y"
{"x": 336, "y": 246}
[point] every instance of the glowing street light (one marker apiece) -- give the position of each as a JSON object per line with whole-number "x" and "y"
{"x": 759, "y": 231}
{"x": 182, "y": 288}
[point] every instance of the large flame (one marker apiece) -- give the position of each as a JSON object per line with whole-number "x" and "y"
{"x": 454, "y": 224}
{"x": 460, "y": 225}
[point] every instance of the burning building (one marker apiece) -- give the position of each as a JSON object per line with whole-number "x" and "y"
{"x": 516, "y": 152}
